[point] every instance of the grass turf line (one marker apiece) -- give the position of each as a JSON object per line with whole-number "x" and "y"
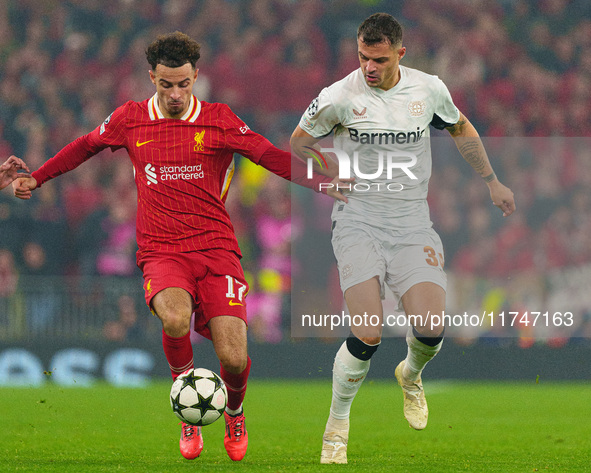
{"x": 473, "y": 427}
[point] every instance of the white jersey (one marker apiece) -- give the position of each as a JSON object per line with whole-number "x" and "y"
{"x": 385, "y": 136}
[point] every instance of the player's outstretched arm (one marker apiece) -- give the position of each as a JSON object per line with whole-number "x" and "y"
{"x": 292, "y": 168}
{"x": 68, "y": 158}
{"x": 305, "y": 146}
{"x": 472, "y": 150}
{"x": 9, "y": 171}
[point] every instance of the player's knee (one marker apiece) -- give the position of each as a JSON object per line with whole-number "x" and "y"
{"x": 371, "y": 337}
{"x": 430, "y": 338}
{"x": 233, "y": 361}
{"x": 175, "y": 323}
{"x": 362, "y": 349}
{"x": 368, "y": 335}
{"x": 371, "y": 341}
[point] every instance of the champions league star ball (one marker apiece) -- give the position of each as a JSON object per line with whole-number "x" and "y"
{"x": 198, "y": 397}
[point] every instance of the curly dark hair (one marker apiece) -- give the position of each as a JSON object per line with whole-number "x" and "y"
{"x": 380, "y": 27}
{"x": 173, "y": 50}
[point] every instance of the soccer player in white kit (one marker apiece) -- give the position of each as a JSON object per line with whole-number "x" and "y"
{"x": 380, "y": 115}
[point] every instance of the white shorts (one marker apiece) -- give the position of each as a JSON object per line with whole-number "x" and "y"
{"x": 363, "y": 251}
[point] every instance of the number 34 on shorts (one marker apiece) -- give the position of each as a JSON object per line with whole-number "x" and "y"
{"x": 433, "y": 258}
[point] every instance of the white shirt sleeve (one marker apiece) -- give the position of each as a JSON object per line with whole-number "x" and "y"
{"x": 446, "y": 113}
{"x": 320, "y": 117}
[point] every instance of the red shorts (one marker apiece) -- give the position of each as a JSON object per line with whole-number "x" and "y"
{"x": 214, "y": 278}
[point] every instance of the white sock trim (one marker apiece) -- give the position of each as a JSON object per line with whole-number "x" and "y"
{"x": 234, "y": 412}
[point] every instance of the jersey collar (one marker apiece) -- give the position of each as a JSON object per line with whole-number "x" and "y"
{"x": 384, "y": 93}
{"x": 190, "y": 116}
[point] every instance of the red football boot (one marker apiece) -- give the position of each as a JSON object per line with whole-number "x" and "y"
{"x": 191, "y": 442}
{"x": 236, "y": 438}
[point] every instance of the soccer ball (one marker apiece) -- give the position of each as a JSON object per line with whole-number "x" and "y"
{"x": 198, "y": 397}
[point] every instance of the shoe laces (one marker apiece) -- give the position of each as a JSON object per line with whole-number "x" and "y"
{"x": 188, "y": 431}
{"x": 235, "y": 427}
{"x": 418, "y": 399}
{"x": 414, "y": 387}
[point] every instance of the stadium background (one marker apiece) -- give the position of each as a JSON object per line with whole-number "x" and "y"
{"x": 70, "y": 295}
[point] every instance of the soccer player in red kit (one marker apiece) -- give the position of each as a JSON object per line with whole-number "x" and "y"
{"x": 182, "y": 153}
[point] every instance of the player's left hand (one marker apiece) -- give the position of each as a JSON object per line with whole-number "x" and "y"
{"x": 502, "y": 197}
{"x": 9, "y": 171}
{"x": 337, "y": 186}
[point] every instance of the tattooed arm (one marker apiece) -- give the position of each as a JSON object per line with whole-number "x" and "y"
{"x": 472, "y": 150}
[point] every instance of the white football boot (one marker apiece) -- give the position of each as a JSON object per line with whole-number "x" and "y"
{"x": 416, "y": 411}
{"x": 334, "y": 441}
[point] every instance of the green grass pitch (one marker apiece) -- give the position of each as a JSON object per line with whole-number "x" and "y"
{"x": 473, "y": 427}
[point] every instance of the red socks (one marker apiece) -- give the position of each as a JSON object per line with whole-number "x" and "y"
{"x": 236, "y": 385}
{"x": 179, "y": 353}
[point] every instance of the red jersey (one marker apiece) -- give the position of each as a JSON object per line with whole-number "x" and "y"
{"x": 183, "y": 168}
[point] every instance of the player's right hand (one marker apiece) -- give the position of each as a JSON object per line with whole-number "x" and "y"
{"x": 23, "y": 187}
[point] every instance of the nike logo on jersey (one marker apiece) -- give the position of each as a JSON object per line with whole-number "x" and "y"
{"x": 138, "y": 144}
{"x": 234, "y": 303}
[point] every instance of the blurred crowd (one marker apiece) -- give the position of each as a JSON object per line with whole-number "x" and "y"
{"x": 520, "y": 70}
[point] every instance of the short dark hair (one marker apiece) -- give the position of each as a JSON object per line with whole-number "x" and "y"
{"x": 173, "y": 50}
{"x": 380, "y": 27}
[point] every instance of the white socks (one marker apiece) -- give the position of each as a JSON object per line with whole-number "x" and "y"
{"x": 349, "y": 372}
{"x": 347, "y": 375}
{"x": 418, "y": 355}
